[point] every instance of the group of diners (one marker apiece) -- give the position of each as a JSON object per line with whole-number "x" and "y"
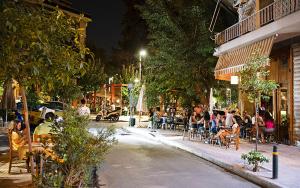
{"x": 19, "y": 141}
{"x": 229, "y": 122}
{"x": 218, "y": 124}
{"x": 162, "y": 120}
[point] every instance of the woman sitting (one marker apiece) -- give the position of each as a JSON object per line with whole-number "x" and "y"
{"x": 235, "y": 130}
{"x": 269, "y": 124}
{"x": 18, "y": 140}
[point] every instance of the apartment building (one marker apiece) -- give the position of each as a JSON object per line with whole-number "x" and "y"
{"x": 271, "y": 27}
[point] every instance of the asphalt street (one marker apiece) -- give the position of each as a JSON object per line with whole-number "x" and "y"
{"x": 136, "y": 162}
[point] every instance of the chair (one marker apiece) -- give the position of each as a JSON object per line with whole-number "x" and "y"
{"x": 13, "y": 155}
{"x": 233, "y": 139}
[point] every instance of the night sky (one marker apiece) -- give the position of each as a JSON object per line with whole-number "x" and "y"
{"x": 105, "y": 29}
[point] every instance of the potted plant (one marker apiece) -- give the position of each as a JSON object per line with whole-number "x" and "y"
{"x": 254, "y": 158}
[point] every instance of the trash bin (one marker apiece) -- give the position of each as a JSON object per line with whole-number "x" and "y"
{"x": 132, "y": 122}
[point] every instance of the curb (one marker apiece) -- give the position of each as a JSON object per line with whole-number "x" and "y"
{"x": 231, "y": 168}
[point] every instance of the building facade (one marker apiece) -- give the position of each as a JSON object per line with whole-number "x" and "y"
{"x": 270, "y": 28}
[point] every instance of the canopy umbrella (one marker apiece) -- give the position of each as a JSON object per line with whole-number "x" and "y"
{"x": 141, "y": 104}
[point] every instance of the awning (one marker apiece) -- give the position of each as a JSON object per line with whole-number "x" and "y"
{"x": 234, "y": 61}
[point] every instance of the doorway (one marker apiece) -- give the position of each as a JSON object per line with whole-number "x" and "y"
{"x": 282, "y": 114}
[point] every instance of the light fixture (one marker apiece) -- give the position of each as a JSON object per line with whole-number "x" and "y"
{"x": 234, "y": 80}
{"x": 118, "y": 101}
{"x": 143, "y": 53}
{"x": 136, "y": 80}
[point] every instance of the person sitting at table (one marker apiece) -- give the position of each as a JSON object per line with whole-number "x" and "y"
{"x": 156, "y": 118}
{"x": 185, "y": 119}
{"x": 43, "y": 129}
{"x": 193, "y": 122}
{"x": 215, "y": 123}
{"x": 235, "y": 128}
{"x": 17, "y": 138}
{"x": 164, "y": 120}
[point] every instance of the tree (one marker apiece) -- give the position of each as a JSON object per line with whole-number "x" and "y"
{"x": 38, "y": 47}
{"x": 129, "y": 74}
{"x": 180, "y": 48}
{"x": 254, "y": 81}
{"x": 77, "y": 150}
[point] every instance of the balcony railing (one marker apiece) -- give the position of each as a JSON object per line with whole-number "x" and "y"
{"x": 268, "y": 14}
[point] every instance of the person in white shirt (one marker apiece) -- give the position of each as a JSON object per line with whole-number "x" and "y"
{"x": 229, "y": 119}
{"x": 83, "y": 110}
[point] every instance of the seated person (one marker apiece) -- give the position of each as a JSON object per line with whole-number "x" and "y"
{"x": 235, "y": 130}
{"x": 193, "y": 122}
{"x": 19, "y": 143}
{"x": 43, "y": 129}
{"x": 18, "y": 140}
{"x": 269, "y": 123}
{"x": 214, "y": 124}
{"x": 164, "y": 121}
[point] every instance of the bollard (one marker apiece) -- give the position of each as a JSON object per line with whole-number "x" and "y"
{"x": 275, "y": 163}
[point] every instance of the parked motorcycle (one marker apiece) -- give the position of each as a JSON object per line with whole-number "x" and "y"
{"x": 112, "y": 115}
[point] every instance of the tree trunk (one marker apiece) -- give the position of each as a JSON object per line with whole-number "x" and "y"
{"x": 256, "y": 124}
{"x": 27, "y": 129}
{"x": 255, "y": 168}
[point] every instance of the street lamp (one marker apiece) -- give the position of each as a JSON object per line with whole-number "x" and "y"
{"x": 142, "y": 53}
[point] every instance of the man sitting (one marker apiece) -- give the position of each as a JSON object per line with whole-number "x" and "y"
{"x": 43, "y": 129}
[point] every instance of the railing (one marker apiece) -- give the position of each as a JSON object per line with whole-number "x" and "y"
{"x": 268, "y": 14}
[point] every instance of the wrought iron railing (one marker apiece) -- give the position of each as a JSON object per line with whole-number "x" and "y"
{"x": 270, "y": 13}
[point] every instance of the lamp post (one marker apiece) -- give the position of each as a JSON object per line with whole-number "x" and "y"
{"x": 142, "y": 54}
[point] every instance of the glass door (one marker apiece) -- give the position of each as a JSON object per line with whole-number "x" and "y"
{"x": 282, "y": 116}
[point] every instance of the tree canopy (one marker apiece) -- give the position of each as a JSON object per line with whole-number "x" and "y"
{"x": 39, "y": 46}
{"x": 253, "y": 78}
{"x": 180, "y": 48}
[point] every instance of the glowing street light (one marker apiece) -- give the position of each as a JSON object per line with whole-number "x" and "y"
{"x": 142, "y": 53}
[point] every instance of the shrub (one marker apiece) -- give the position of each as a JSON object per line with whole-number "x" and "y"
{"x": 77, "y": 151}
{"x": 254, "y": 158}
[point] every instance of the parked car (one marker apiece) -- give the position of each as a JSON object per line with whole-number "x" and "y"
{"x": 53, "y": 108}
{"x": 44, "y": 110}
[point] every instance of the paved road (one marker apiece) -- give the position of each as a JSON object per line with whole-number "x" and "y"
{"x": 136, "y": 162}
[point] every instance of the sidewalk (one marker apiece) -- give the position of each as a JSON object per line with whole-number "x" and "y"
{"x": 230, "y": 159}
{"x": 19, "y": 176}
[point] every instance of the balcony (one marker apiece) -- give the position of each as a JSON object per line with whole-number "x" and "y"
{"x": 265, "y": 16}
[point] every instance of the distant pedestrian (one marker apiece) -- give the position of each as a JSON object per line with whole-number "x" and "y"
{"x": 83, "y": 110}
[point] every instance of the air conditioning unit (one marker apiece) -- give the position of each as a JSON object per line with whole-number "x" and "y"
{"x": 237, "y": 3}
